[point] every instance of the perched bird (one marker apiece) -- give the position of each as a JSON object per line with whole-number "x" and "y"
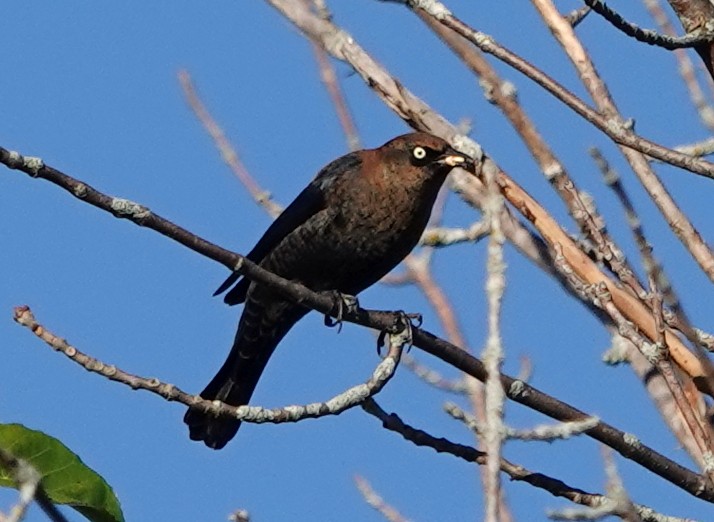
{"x": 360, "y": 216}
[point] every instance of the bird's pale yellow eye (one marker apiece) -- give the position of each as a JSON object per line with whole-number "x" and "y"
{"x": 419, "y": 153}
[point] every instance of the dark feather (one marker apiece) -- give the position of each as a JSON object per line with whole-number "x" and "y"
{"x": 354, "y": 222}
{"x": 308, "y": 203}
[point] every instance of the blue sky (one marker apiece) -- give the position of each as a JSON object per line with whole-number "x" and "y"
{"x": 93, "y": 90}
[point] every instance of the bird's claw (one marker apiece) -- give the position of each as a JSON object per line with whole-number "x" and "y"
{"x": 403, "y": 324}
{"x": 343, "y": 304}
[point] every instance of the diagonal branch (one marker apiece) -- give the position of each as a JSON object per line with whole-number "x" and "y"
{"x": 678, "y": 222}
{"x": 515, "y": 472}
{"x": 693, "y": 14}
{"x": 625, "y": 444}
{"x": 415, "y": 112}
{"x": 228, "y": 153}
{"x": 608, "y": 120}
{"x": 617, "y": 131}
{"x": 503, "y": 95}
{"x": 698, "y": 37}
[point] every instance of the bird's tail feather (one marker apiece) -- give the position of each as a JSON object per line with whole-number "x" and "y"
{"x": 234, "y": 385}
{"x": 259, "y": 332}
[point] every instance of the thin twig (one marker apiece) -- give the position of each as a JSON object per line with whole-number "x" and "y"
{"x": 619, "y": 503}
{"x": 441, "y": 236}
{"x": 616, "y": 490}
{"x": 493, "y": 352}
{"x": 655, "y": 383}
{"x": 686, "y": 71}
{"x": 254, "y": 414}
{"x": 580, "y": 206}
{"x": 373, "y": 499}
{"x": 646, "y": 35}
{"x": 657, "y": 355}
{"x": 678, "y": 222}
{"x": 515, "y": 472}
{"x": 700, "y": 148}
{"x": 433, "y": 377}
{"x": 617, "y": 130}
{"x": 228, "y": 152}
{"x": 329, "y": 79}
{"x": 649, "y": 260}
{"x": 547, "y": 433}
{"x": 607, "y": 119}
{"x": 576, "y": 16}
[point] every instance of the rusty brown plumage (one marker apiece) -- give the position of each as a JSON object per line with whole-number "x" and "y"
{"x": 360, "y": 216}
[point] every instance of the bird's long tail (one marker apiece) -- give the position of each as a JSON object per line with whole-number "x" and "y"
{"x": 259, "y": 332}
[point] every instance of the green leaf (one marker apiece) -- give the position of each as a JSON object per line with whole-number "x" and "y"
{"x": 65, "y": 478}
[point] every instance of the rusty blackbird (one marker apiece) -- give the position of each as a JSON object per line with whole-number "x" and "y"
{"x": 360, "y": 216}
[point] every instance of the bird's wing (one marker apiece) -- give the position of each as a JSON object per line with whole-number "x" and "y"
{"x": 308, "y": 203}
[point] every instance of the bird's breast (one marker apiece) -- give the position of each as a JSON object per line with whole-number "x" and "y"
{"x": 355, "y": 240}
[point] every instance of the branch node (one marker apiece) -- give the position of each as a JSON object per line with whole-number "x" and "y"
{"x": 336, "y": 41}
{"x": 34, "y": 164}
{"x": 552, "y": 170}
{"x": 707, "y": 462}
{"x": 14, "y": 159}
{"x": 654, "y": 352}
{"x": 517, "y": 387}
{"x": 125, "y": 207}
{"x": 616, "y": 128}
{"x": 17, "y": 161}
{"x": 468, "y": 146}
{"x": 631, "y": 440}
{"x": 432, "y": 7}
{"x": 80, "y": 191}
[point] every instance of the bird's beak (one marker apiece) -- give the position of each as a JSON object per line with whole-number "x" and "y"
{"x": 452, "y": 158}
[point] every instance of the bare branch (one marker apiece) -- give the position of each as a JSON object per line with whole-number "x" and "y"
{"x": 608, "y": 120}
{"x": 547, "y": 433}
{"x": 617, "y": 130}
{"x": 678, "y": 222}
{"x": 686, "y": 71}
{"x": 515, "y": 472}
{"x": 255, "y": 414}
{"x": 442, "y": 236}
{"x": 455, "y": 356}
{"x": 329, "y": 79}
{"x": 434, "y": 378}
{"x": 576, "y": 16}
{"x": 228, "y": 153}
{"x": 580, "y": 206}
{"x": 648, "y": 36}
{"x": 373, "y": 499}
{"x": 493, "y": 352}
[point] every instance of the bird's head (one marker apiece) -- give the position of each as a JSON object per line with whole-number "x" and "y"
{"x": 426, "y": 153}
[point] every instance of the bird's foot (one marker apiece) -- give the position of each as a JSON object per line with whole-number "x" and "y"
{"x": 343, "y": 304}
{"x": 403, "y": 324}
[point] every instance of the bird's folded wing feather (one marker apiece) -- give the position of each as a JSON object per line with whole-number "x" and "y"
{"x": 308, "y": 203}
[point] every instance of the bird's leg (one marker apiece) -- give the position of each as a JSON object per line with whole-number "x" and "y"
{"x": 343, "y": 304}
{"x": 403, "y": 322}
